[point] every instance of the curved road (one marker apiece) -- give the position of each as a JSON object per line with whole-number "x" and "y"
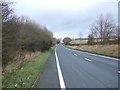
{"x": 68, "y": 68}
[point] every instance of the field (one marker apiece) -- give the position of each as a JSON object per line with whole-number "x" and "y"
{"x": 25, "y": 74}
{"x": 108, "y": 50}
{"x": 79, "y": 42}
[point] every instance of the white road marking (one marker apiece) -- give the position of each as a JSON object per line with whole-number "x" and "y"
{"x": 88, "y": 59}
{"x": 75, "y": 54}
{"x": 62, "y": 83}
{"x": 95, "y": 54}
{"x": 118, "y": 72}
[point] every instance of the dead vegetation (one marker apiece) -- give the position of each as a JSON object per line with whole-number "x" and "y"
{"x": 22, "y": 37}
{"x": 109, "y": 50}
{"x": 20, "y": 58}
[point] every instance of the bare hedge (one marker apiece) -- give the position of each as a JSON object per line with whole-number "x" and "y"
{"x": 20, "y": 33}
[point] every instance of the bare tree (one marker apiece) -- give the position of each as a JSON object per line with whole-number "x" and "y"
{"x": 21, "y": 34}
{"x": 108, "y": 27}
{"x": 95, "y": 32}
{"x": 103, "y": 27}
{"x": 6, "y": 10}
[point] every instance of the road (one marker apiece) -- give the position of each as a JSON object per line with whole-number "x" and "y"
{"x": 69, "y": 68}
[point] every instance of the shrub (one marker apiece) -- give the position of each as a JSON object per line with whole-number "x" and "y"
{"x": 20, "y": 33}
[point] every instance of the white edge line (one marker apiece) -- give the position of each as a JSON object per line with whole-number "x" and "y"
{"x": 61, "y": 80}
{"x": 88, "y": 59}
{"x": 117, "y": 59}
{"x": 101, "y": 56}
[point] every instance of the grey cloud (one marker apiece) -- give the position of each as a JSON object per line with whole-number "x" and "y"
{"x": 66, "y": 22}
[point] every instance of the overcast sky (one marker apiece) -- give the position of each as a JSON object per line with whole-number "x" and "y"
{"x": 66, "y": 17}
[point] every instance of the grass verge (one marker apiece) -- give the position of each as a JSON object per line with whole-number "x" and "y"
{"x": 25, "y": 75}
{"x": 106, "y": 50}
{"x": 79, "y": 42}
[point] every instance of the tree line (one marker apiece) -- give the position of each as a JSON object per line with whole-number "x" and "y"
{"x": 104, "y": 31}
{"x": 22, "y": 34}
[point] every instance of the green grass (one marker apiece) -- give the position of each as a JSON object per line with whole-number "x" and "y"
{"x": 79, "y": 42}
{"x": 25, "y": 75}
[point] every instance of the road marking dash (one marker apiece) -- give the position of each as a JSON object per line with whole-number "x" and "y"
{"x": 75, "y": 54}
{"x": 62, "y": 83}
{"x": 118, "y": 72}
{"x": 88, "y": 59}
{"x": 116, "y": 59}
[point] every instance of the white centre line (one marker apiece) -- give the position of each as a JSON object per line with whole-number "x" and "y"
{"x": 88, "y": 59}
{"x": 62, "y": 83}
{"x": 75, "y": 54}
{"x": 119, "y": 72}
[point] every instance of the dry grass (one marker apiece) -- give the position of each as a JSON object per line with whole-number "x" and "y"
{"x": 26, "y": 73}
{"x": 79, "y": 42}
{"x": 109, "y": 50}
{"x": 20, "y": 59}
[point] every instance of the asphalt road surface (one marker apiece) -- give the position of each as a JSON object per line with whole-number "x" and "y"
{"x": 68, "y": 68}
